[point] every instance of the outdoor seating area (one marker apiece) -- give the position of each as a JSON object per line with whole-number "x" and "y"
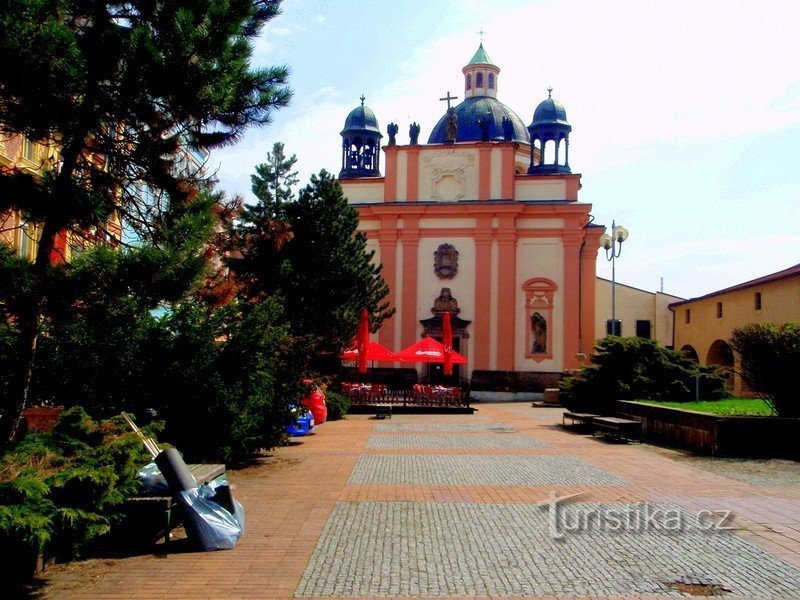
{"x": 614, "y": 427}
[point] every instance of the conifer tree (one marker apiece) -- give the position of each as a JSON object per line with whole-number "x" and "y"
{"x": 121, "y": 88}
{"x": 274, "y": 179}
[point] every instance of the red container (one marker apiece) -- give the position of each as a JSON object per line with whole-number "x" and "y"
{"x": 315, "y": 402}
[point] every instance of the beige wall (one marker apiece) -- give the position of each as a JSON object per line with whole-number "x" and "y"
{"x": 634, "y": 304}
{"x": 780, "y": 303}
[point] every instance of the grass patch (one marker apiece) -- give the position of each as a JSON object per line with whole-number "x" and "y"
{"x": 728, "y": 406}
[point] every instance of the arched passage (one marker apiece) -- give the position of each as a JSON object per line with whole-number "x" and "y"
{"x": 690, "y": 353}
{"x": 720, "y": 353}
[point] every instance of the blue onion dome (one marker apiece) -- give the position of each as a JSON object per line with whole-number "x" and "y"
{"x": 550, "y": 112}
{"x": 361, "y": 120}
{"x": 470, "y": 111}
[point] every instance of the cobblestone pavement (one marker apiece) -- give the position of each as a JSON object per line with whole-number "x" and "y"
{"x": 450, "y": 441}
{"x": 476, "y": 469}
{"x": 428, "y": 549}
{"x": 370, "y": 509}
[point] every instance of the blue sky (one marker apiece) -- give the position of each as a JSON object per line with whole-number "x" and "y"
{"x": 685, "y": 114}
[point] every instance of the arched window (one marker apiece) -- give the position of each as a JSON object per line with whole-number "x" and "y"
{"x": 491, "y": 81}
{"x": 469, "y": 80}
{"x": 539, "y": 295}
{"x": 479, "y": 80}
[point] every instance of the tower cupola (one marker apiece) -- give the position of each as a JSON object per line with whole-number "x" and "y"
{"x": 361, "y": 144}
{"x": 550, "y": 130}
{"x": 480, "y": 75}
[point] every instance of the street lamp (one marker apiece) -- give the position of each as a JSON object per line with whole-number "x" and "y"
{"x": 612, "y": 244}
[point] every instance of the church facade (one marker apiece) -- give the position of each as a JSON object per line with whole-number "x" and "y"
{"x": 484, "y": 221}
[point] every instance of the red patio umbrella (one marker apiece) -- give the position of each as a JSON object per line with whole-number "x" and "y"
{"x": 374, "y": 352}
{"x": 428, "y": 350}
{"x": 447, "y": 341}
{"x": 362, "y": 341}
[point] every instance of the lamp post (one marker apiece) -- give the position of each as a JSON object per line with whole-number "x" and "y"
{"x": 612, "y": 244}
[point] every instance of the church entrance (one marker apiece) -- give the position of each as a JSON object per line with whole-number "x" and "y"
{"x": 434, "y": 372}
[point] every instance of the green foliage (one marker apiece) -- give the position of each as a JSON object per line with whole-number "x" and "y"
{"x": 232, "y": 374}
{"x": 324, "y": 272}
{"x": 60, "y": 492}
{"x": 630, "y": 368}
{"x": 338, "y": 405}
{"x": 272, "y": 183}
{"x": 123, "y": 91}
{"x": 770, "y": 359}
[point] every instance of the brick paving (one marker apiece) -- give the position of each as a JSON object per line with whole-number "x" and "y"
{"x": 461, "y": 442}
{"x": 337, "y": 516}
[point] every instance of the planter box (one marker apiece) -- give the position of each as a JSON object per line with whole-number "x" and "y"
{"x": 41, "y": 419}
{"x": 717, "y": 435}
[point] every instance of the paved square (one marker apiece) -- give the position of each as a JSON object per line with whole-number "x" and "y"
{"x": 465, "y": 427}
{"x": 446, "y": 549}
{"x": 475, "y": 469}
{"x": 497, "y": 441}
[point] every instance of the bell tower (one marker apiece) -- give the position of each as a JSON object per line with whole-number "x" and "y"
{"x": 361, "y": 144}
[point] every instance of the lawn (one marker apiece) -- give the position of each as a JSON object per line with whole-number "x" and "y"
{"x": 729, "y": 406}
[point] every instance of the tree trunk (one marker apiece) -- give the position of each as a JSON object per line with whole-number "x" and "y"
{"x": 29, "y": 322}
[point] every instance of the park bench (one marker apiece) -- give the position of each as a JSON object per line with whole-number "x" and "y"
{"x": 627, "y": 429}
{"x": 582, "y": 418}
{"x": 164, "y": 505}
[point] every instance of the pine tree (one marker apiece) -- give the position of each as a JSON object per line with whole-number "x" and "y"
{"x": 273, "y": 180}
{"x": 122, "y": 88}
{"x": 324, "y": 272}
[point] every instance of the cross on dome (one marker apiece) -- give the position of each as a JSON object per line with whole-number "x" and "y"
{"x": 448, "y": 98}
{"x": 550, "y": 91}
{"x": 363, "y": 97}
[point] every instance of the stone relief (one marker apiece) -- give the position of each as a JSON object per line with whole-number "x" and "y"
{"x": 449, "y": 174}
{"x": 445, "y": 263}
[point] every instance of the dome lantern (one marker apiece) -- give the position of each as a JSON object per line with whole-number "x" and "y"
{"x": 549, "y": 125}
{"x": 480, "y": 75}
{"x": 361, "y": 144}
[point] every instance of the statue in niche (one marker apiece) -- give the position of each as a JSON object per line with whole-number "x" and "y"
{"x": 445, "y": 303}
{"x": 483, "y": 123}
{"x": 413, "y": 133}
{"x": 445, "y": 261}
{"x": 451, "y": 126}
{"x": 392, "y": 130}
{"x": 508, "y": 129}
{"x": 539, "y": 334}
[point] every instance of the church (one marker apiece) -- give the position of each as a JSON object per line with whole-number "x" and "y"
{"x": 483, "y": 221}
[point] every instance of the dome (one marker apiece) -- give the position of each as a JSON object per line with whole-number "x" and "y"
{"x": 472, "y": 109}
{"x": 360, "y": 120}
{"x": 550, "y": 112}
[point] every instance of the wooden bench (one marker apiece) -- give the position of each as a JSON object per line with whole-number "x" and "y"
{"x": 383, "y": 411}
{"x": 582, "y": 418}
{"x": 627, "y": 429}
{"x": 166, "y": 504}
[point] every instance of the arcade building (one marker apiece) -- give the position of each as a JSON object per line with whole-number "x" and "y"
{"x": 484, "y": 221}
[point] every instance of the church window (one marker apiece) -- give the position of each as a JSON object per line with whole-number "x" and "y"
{"x": 539, "y": 335}
{"x": 758, "y": 300}
{"x": 688, "y": 315}
{"x": 491, "y": 81}
{"x": 719, "y": 310}
{"x": 469, "y": 81}
{"x": 479, "y": 80}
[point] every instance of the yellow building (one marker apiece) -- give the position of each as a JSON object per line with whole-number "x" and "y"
{"x": 704, "y": 325}
{"x": 638, "y": 312}
{"x": 16, "y": 151}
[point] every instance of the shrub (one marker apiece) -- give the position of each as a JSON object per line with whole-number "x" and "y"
{"x": 769, "y": 356}
{"x": 60, "y": 492}
{"x": 630, "y": 368}
{"x": 338, "y": 405}
{"x": 230, "y": 376}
